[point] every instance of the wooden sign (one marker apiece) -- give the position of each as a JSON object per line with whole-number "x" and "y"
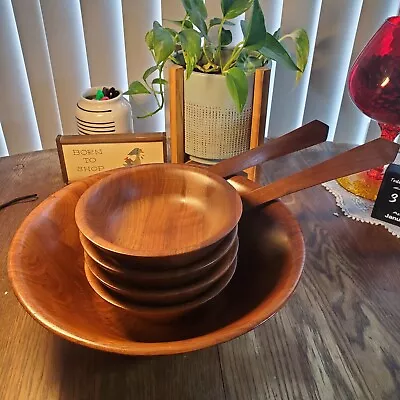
{"x": 82, "y": 156}
{"x": 387, "y": 204}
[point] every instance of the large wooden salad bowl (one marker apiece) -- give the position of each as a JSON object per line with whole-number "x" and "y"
{"x": 46, "y": 270}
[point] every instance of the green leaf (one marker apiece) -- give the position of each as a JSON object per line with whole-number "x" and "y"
{"x": 159, "y": 81}
{"x": 238, "y": 87}
{"x": 149, "y": 38}
{"x": 277, "y": 34}
{"x": 178, "y": 58}
{"x": 149, "y": 71}
{"x": 136, "y": 87}
{"x": 163, "y": 43}
{"x": 273, "y": 50}
{"x": 255, "y": 32}
{"x": 191, "y": 46}
{"x": 173, "y": 32}
{"x": 248, "y": 63}
{"x": 233, "y": 8}
{"x": 226, "y": 37}
{"x": 186, "y": 24}
{"x": 244, "y": 25}
{"x": 198, "y": 5}
{"x": 217, "y": 21}
{"x": 197, "y": 12}
{"x": 300, "y": 38}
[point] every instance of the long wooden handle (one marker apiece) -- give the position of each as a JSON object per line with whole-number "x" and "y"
{"x": 370, "y": 155}
{"x": 306, "y": 136}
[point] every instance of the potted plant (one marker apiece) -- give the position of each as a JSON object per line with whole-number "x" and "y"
{"x": 219, "y": 78}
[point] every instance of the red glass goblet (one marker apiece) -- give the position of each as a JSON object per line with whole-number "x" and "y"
{"x": 374, "y": 86}
{"x": 374, "y": 82}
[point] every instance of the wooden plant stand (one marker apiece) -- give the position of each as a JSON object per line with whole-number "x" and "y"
{"x": 177, "y": 122}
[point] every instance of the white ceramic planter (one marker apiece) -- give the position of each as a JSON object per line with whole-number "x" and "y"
{"x": 214, "y": 129}
{"x": 102, "y": 117}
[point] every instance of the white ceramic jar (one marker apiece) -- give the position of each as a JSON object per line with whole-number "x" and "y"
{"x": 214, "y": 129}
{"x": 105, "y": 116}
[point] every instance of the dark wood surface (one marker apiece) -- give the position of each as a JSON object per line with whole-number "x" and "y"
{"x": 338, "y": 337}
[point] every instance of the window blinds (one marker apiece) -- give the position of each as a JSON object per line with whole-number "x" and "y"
{"x": 51, "y": 50}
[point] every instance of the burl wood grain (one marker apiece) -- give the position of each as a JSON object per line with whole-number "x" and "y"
{"x": 170, "y": 295}
{"x": 159, "y": 211}
{"x": 159, "y": 279}
{"x": 337, "y": 337}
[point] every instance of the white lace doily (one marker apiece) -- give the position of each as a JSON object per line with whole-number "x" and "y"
{"x": 356, "y": 207}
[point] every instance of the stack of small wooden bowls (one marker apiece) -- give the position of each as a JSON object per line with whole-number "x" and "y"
{"x": 159, "y": 240}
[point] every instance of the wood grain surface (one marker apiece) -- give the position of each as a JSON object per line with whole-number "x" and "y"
{"x": 337, "y": 338}
{"x": 169, "y": 295}
{"x": 131, "y": 213}
{"x": 308, "y": 135}
{"x": 262, "y": 78}
{"x": 369, "y": 155}
{"x": 159, "y": 279}
{"x": 176, "y": 113}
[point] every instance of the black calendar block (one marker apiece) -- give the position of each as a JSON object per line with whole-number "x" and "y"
{"x": 387, "y": 205}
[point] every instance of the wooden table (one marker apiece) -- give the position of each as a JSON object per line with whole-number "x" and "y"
{"x": 337, "y": 338}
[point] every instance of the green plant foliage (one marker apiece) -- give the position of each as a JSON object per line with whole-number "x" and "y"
{"x": 197, "y": 12}
{"x": 255, "y": 29}
{"x": 238, "y": 86}
{"x": 149, "y": 71}
{"x": 226, "y": 37}
{"x": 301, "y": 41}
{"x": 137, "y": 87}
{"x": 163, "y": 43}
{"x": 218, "y": 21}
{"x": 233, "y": 8}
{"x": 191, "y": 47}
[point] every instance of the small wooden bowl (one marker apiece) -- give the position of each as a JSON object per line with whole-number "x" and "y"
{"x": 159, "y": 214}
{"x": 46, "y": 271}
{"x": 159, "y": 279}
{"x": 161, "y": 313}
{"x": 163, "y": 297}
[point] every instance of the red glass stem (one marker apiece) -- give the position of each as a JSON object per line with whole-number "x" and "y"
{"x": 388, "y": 132}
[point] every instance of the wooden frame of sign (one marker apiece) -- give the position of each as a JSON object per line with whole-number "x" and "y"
{"x": 177, "y": 122}
{"x": 82, "y": 156}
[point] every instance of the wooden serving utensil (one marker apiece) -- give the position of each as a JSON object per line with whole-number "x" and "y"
{"x": 307, "y": 135}
{"x": 370, "y": 155}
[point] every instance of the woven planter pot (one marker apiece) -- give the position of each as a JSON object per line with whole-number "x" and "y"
{"x": 214, "y": 129}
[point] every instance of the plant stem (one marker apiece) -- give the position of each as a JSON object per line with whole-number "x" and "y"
{"x": 233, "y": 58}
{"x": 219, "y": 48}
{"x": 174, "y": 60}
{"x": 200, "y": 68}
{"x": 183, "y": 22}
{"x": 160, "y": 105}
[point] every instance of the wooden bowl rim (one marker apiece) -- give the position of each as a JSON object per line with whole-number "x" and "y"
{"x": 228, "y": 332}
{"x": 205, "y": 281}
{"x": 98, "y": 240}
{"x": 178, "y": 272}
{"x": 162, "y": 311}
